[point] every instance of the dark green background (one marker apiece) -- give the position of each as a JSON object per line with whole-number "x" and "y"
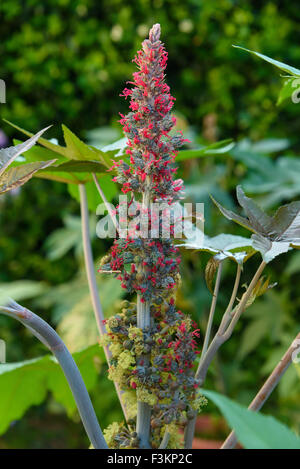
{"x": 67, "y": 61}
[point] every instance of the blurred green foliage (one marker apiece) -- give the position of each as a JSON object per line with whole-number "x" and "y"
{"x": 67, "y": 61}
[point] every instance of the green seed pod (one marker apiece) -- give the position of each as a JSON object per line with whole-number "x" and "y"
{"x": 127, "y": 344}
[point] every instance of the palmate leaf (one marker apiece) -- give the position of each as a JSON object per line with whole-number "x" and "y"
{"x": 254, "y": 430}
{"x": 27, "y": 383}
{"x": 15, "y": 177}
{"x": 234, "y": 217}
{"x": 259, "y": 220}
{"x": 225, "y": 246}
{"x": 75, "y": 150}
{"x": 272, "y": 235}
{"x": 75, "y": 164}
{"x": 8, "y": 155}
{"x": 42, "y": 141}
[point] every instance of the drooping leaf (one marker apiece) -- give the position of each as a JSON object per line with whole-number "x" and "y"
{"x": 27, "y": 383}
{"x": 254, "y": 430}
{"x": 8, "y": 155}
{"x": 15, "y": 177}
{"x": 282, "y": 66}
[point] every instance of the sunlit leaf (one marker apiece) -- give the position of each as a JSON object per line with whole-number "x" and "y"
{"x": 27, "y": 383}
{"x": 254, "y": 430}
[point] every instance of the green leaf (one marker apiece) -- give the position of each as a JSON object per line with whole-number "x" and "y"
{"x": 233, "y": 216}
{"x": 272, "y": 235}
{"x": 224, "y": 246}
{"x": 79, "y": 166}
{"x": 287, "y": 223}
{"x": 254, "y": 430}
{"x": 76, "y": 149}
{"x": 27, "y": 383}
{"x": 21, "y": 290}
{"x": 294, "y": 264}
{"x": 78, "y": 327}
{"x": 222, "y": 147}
{"x": 17, "y": 176}
{"x": 109, "y": 188}
{"x": 282, "y": 66}
{"x": 269, "y": 249}
{"x": 42, "y": 141}
{"x": 287, "y": 90}
{"x": 259, "y": 220}
{"x": 8, "y": 155}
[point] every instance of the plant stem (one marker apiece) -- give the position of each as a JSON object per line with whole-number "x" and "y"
{"x": 89, "y": 266}
{"x": 268, "y": 387}
{"x": 105, "y": 201}
{"x": 143, "y": 419}
{"x": 221, "y": 336}
{"x": 143, "y": 409}
{"x": 227, "y": 315}
{"x": 165, "y": 441}
{"x": 212, "y": 311}
{"x": 51, "y": 339}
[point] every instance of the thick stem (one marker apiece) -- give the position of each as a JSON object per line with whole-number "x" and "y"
{"x": 268, "y": 387}
{"x": 51, "y": 339}
{"x": 89, "y": 266}
{"x": 143, "y": 409}
{"x": 221, "y": 337}
{"x": 143, "y": 419}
